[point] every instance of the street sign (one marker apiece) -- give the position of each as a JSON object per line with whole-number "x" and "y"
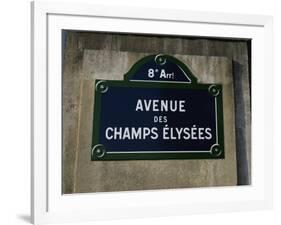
{"x": 158, "y": 111}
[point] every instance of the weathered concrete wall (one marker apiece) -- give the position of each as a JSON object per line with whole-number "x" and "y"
{"x": 83, "y": 62}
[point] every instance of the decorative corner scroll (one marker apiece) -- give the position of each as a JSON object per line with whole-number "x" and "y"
{"x": 216, "y": 150}
{"x": 214, "y": 90}
{"x": 101, "y": 86}
{"x": 98, "y": 151}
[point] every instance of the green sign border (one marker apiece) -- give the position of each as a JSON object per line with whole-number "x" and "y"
{"x": 98, "y": 151}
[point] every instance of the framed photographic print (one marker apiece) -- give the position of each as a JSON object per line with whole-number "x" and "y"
{"x": 137, "y": 115}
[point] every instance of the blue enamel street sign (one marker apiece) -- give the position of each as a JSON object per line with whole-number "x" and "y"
{"x": 159, "y": 111}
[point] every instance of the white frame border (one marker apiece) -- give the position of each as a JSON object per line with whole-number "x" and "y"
{"x": 39, "y": 159}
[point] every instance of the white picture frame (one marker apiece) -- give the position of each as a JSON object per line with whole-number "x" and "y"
{"x": 47, "y": 202}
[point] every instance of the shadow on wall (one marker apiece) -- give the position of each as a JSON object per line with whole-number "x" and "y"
{"x": 240, "y": 131}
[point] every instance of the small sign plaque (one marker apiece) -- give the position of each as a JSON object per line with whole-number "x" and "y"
{"x": 159, "y": 111}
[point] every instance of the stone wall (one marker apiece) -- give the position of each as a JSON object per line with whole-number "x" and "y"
{"x": 89, "y": 56}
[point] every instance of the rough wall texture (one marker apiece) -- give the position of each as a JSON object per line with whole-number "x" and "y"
{"x": 92, "y": 55}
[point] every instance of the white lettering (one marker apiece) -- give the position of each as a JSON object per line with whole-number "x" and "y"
{"x": 156, "y": 105}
